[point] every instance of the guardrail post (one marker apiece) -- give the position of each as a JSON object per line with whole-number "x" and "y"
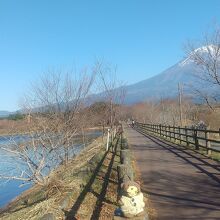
{"x": 160, "y": 129}
{"x": 208, "y": 144}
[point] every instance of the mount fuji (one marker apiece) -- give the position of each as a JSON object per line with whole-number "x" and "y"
{"x": 165, "y": 84}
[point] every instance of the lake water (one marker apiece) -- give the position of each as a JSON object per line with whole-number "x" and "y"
{"x": 12, "y": 188}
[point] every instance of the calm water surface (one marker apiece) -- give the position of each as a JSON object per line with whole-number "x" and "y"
{"x": 12, "y": 188}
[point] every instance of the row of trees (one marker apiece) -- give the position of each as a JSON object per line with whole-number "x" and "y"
{"x": 166, "y": 111}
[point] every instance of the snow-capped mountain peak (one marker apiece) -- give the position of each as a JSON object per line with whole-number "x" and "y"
{"x": 186, "y": 61}
{"x": 208, "y": 49}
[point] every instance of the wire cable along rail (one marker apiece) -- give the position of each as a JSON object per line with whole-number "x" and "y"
{"x": 205, "y": 139}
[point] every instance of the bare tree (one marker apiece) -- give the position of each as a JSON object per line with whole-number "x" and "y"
{"x": 28, "y": 161}
{"x": 165, "y": 111}
{"x": 207, "y": 60}
{"x": 111, "y": 89}
{"x": 147, "y": 112}
{"x": 53, "y": 105}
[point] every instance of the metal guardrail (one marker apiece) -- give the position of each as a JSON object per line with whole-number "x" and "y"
{"x": 199, "y": 138}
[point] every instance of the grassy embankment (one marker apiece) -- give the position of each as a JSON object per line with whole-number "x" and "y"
{"x": 85, "y": 189}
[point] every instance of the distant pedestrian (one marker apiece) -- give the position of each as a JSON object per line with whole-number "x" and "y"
{"x": 133, "y": 122}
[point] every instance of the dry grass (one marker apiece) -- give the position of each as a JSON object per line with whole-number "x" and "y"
{"x": 101, "y": 200}
{"x": 13, "y": 127}
{"x": 66, "y": 185}
{"x": 37, "y": 201}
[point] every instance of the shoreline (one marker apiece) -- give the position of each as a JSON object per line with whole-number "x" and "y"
{"x": 26, "y": 133}
{"x": 79, "y": 167}
{"x": 81, "y": 150}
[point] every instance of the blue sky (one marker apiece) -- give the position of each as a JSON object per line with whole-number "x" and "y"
{"x": 142, "y": 38}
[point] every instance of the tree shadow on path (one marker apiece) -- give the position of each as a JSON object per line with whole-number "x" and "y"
{"x": 177, "y": 150}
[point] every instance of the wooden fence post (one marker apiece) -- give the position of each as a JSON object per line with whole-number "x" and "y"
{"x": 169, "y": 132}
{"x": 186, "y": 134}
{"x": 180, "y": 136}
{"x": 107, "y": 144}
{"x": 192, "y": 136}
{"x": 208, "y": 144}
{"x": 196, "y": 139}
{"x": 166, "y": 131}
{"x": 174, "y": 133}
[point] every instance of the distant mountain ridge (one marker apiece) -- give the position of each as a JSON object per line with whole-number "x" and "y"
{"x": 165, "y": 84}
{"x": 4, "y": 114}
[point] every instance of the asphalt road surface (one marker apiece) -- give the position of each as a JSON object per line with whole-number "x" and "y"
{"x": 181, "y": 184}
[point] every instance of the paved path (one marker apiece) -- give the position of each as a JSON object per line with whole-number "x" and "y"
{"x": 181, "y": 184}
